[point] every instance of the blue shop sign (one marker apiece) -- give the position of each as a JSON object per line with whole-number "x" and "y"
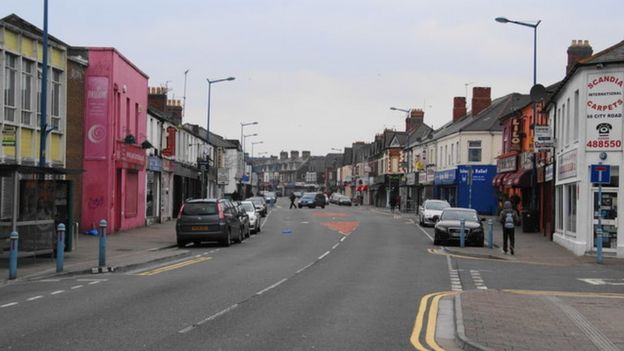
{"x": 154, "y": 164}
{"x": 445, "y": 177}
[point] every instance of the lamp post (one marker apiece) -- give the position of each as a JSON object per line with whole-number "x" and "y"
{"x": 243, "y": 125}
{"x": 533, "y": 119}
{"x": 210, "y": 83}
{"x": 43, "y": 126}
{"x": 245, "y": 136}
{"x": 402, "y": 110}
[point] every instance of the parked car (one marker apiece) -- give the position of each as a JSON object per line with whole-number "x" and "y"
{"x": 448, "y": 228}
{"x": 429, "y": 212}
{"x": 243, "y": 217}
{"x": 311, "y": 200}
{"x": 260, "y": 205}
{"x": 278, "y": 193}
{"x": 254, "y": 217}
{"x": 344, "y": 201}
{"x": 208, "y": 220}
{"x": 269, "y": 197}
{"x": 334, "y": 198}
{"x": 298, "y": 194}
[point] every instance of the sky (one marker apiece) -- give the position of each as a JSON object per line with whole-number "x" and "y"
{"x": 319, "y": 75}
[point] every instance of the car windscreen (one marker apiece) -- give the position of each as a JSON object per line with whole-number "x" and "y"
{"x": 453, "y": 215}
{"x": 437, "y": 205}
{"x": 248, "y": 207}
{"x": 256, "y": 201}
{"x": 308, "y": 196}
{"x": 200, "y": 209}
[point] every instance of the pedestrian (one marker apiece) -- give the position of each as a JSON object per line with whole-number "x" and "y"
{"x": 509, "y": 219}
{"x": 292, "y": 201}
{"x": 392, "y": 203}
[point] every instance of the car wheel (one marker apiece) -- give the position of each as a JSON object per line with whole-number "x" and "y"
{"x": 228, "y": 240}
{"x": 323, "y": 207}
{"x": 181, "y": 243}
{"x": 300, "y": 206}
{"x": 258, "y": 229}
{"x": 239, "y": 238}
{"x": 248, "y": 233}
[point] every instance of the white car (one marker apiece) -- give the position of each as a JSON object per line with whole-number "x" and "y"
{"x": 254, "y": 216}
{"x": 429, "y": 212}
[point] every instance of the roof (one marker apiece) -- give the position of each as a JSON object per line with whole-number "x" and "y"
{"x": 416, "y": 135}
{"x": 610, "y": 55}
{"x": 486, "y": 120}
{"x": 160, "y": 115}
{"x": 21, "y": 23}
{"x": 390, "y": 135}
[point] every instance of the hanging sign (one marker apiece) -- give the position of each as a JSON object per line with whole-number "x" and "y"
{"x": 605, "y": 105}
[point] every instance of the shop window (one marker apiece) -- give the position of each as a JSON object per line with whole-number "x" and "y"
{"x": 27, "y": 85}
{"x": 559, "y": 208}
{"x": 149, "y": 195}
{"x": 474, "y": 151}
{"x": 132, "y": 193}
{"x": 571, "y": 208}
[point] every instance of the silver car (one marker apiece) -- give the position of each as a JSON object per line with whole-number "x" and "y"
{"x": 429, "y": 212}
{"x": 254, "y": 216}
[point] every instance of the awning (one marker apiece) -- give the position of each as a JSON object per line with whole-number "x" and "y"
{"x": 496, "y": 181}
{"x": 519, "y": 179}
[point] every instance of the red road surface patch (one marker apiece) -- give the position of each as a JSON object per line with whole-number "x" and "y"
{"x": 344, "y": 228}
{"x": 331, "y": 214}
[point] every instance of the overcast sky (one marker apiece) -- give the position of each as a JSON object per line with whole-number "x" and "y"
{"x": 321, "y": 74}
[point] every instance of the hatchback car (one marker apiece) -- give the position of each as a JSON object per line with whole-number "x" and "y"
{"x": 311, "y": 200}
{"x": 269, "y": 197}
{"x": 429, "y": 212}
{"x": 344, "y": 201}
{"x": 449, "y": 226}
{"x": 260, "y": 205}
{"x": 254, "y": 217}
{"x": 208, "y": 220}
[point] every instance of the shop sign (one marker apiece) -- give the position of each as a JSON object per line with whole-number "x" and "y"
{"x": 473, "y": 174}
{"x": 430, "y": 174}
{"x": 445, "y": 177}
{"x": 154, "y": 164}
{"x": 410, "y": 179}
{"x": 96, "y": 118}
{"x": 516, "y": 128}
{"x": 507, "y": 164}
{"x": 184, "y": 171}
{"x": 168, "y": 165}
{"x": 543, "y": 138}
{"x": 605, "y": 105}
{"x": 548, "y": 173}
{"x": 131, "y": 156}
{"x": 422, "y": 177}
{"x": 223, "y": 176}
{"x": 566, "y": 165}
{"x": 8, "y": 135}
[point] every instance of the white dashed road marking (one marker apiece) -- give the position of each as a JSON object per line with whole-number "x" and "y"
{"x": 8, "y": 304}
{"x": 34, "y": 298}
{"x": 57, "y": 292}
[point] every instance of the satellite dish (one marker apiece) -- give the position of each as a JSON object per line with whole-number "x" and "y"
{"x": 538, "y": 92}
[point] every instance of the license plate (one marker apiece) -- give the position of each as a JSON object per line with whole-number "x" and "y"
{"x": 199, "y": 227}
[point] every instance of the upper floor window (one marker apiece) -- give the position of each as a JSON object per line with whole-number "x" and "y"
{"x": 27, "y": 86}
{"x": 10, "y": 86}
{"x": 55, "y": 101}
{"x": 474, "y": 151}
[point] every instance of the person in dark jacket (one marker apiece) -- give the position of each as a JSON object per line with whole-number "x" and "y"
{"x": 509, "y": 219}
{"x": 292, "y": 201}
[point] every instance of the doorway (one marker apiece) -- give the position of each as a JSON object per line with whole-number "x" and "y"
{"x": 607, "y": 207}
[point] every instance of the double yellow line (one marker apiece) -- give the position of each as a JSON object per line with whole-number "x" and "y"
{"x": 431, "y": 311}
{"x": 176, "y": 266}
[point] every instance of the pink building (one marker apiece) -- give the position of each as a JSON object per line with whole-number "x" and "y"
{"x": 114, "y": 129}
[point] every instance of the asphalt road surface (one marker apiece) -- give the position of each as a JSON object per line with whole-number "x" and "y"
{"x": 339, "y": 278}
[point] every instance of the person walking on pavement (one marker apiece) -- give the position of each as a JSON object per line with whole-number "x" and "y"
{"x": 392, "y": 203}
{"x": 509, "y": 218}
{"x": 292, "y": 201}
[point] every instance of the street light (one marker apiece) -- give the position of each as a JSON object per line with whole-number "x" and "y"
{"x": 252, "y": 147}
{"x": 210, "y": 83}
{"x": 400, "y": 109}
{"x": 534, "y": 170}
{"x": 243, "y": 125}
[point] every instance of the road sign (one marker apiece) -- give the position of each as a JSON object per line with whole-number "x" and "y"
{"x": 601, "y": 174}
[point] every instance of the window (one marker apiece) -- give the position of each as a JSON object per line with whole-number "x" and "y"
{"x": 474, "y": 151}
{"x": 55, "y": 99}
{"x": 457, "y": 148}
{"x": 10, "y": 86}
{"x": 446, "y": 159}
{"x": 569, "y": 124}
{"x": 575, "y": 117}
{"x": 559, "y": 125}
{"x": 571, "y": 208}
{"x": 559, "y": 211}
{"x": 27, "y": 82}
{"x": 39, "y": 70}
{"x": 564, "y": 127}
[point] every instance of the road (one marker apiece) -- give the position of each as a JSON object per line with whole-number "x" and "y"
{"x": 339, "y": 278}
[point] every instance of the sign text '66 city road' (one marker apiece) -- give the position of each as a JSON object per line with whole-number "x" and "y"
{"x": 605, "y": 102}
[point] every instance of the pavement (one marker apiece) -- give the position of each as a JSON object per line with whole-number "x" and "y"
{"x": 484, "y": 319}
{"x": 125, "y": 250}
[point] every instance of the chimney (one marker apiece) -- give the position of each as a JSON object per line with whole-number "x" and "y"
{"x": 283, "y": 155}
{"x": 294, "y": 154}
{"x": 415, "y": 120}
{"x": 481, "y": 99}
{"x": 305, "y": 154}
{"x": 174, "y": 108}
{"x": 459, "y": 107}
{"x": 157, "y": 98}
{"x": 577, "y": 51}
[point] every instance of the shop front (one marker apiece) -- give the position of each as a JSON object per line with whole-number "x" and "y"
{"x": 425, "y": 188}
{"x": 378, "y": 192}
{"x": 166, "y": 190}
{"x": 474, "y": 188}
{"x": 152, "y": 190}
{"x": 409, "y": 192}
{"x": 446, "y": 186}
{"x": 129, "y": 206}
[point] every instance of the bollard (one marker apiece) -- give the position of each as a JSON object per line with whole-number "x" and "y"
{"x": 462, "y": 235}
{"x": 598, "y": 245}
{"x": 103, "y": 225}
{"x": 60, "y": 247}
{"x": 13, "y": 255}
{"x": 490, "y": 223}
